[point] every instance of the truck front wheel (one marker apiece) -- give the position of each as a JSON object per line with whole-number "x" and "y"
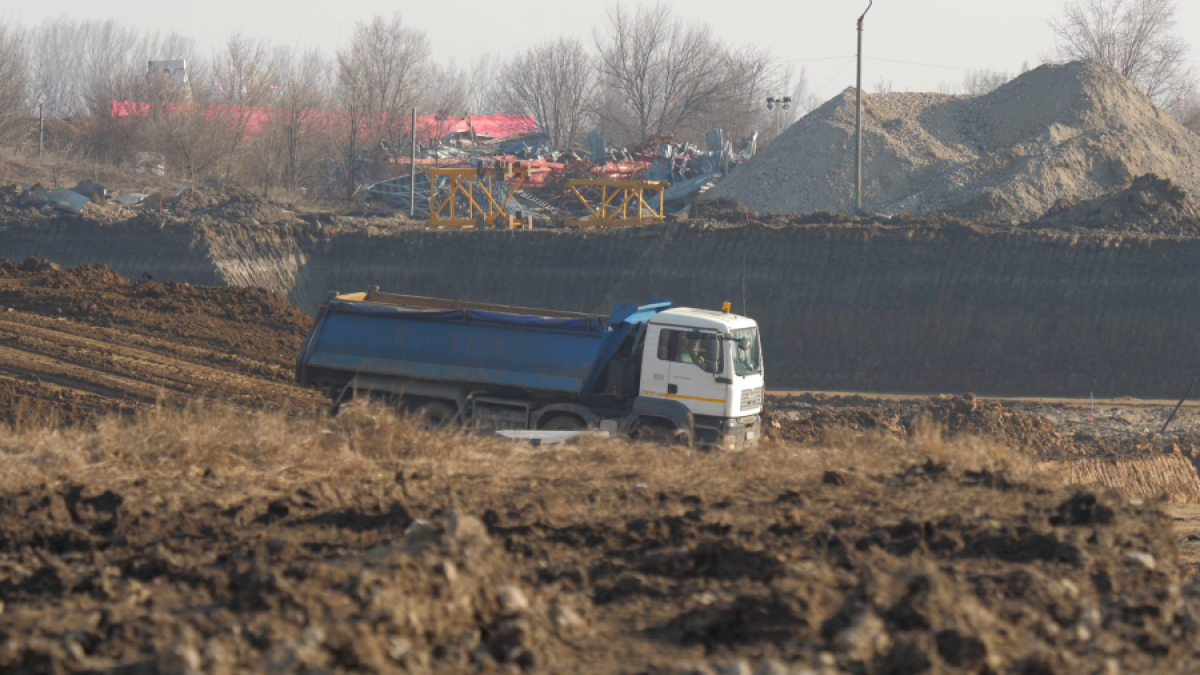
{"x": 659, "y": 431}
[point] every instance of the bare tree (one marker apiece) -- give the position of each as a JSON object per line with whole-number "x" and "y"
{"x": 804, "y": 99}
{"x": 14, "y": 113}
{"x": 300, "y": 118}
{"x": 750, "y": 74}
{"x": 980, "y": 82}
{"x": 116, "y": 64}
{"x": 1133, "y": 36}
{"x": 552, "y": 82}
{"x": 286, "y": 147}
{"x": 667, "y": 72}
{"x": 482, "y": 87}
{"x": 115, "y": 73}
{"x": 57, "y": 66}
{"x": 179, "y": 125}
{"x": 380, "y": 75}
{"x": 448, "y": 92}
{"x": 245, "y": 82}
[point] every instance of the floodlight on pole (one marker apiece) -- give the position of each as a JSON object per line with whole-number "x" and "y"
{"x": 782, "y": 103}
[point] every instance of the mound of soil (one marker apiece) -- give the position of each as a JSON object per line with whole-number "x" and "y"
{"x": 812, "y": 429}
{"x": 955, "y": 415}
{"x": 1151, "y": 204}
{"x": 1060, "y": 132}
{"x": 227, "y": 203}
{"x": 897, "y": 567}
{"x": 250, "y": 322}
{"x": 970, "y": 415}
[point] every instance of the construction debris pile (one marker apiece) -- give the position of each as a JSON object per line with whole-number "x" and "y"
{"x": 681, "y": 171}
{"x": 1070, "y": 132}
{"x": 96, "y": 198}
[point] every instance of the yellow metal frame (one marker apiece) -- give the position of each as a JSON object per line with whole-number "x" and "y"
{"x": 616, "y": 198}
{"x": 443, "y": 208}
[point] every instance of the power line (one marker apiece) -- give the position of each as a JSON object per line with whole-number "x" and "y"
{"x": 835, "y": 75}
{"x": 822, "y": 58}
{"x": 915, "y": 63}
{"x": 877, "y": 58}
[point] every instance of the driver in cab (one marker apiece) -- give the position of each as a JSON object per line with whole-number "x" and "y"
{"x": 691, "y": 351}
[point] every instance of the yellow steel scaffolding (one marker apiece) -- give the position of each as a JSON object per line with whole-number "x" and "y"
{"x": 622, "y": 202}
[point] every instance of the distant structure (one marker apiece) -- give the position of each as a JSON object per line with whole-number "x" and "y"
{"x": 174, "y": 72}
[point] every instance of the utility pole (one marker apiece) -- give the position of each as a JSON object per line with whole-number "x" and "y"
{"x": 858, "y": 119}
{"x": 412, "y": 168}
{"x": 41, "y": 127}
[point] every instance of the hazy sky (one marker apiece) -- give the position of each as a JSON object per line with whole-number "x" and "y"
{"x": 945, "y": 37}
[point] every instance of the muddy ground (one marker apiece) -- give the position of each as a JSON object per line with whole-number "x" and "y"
{"x": 423, "y": 553}
{"x": 80, "y": 343}
{"x": 179, "y": 539}
{"x": 1043, "y": 429}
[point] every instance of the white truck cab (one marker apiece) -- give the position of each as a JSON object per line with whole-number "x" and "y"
{"x": 711, "y": 363}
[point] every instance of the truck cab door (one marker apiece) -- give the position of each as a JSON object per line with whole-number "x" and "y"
{"x": 654, "y": 370}
{"x": 690, "y": 378}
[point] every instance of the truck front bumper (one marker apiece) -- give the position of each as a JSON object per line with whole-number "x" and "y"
{"x": 739, "y": 433}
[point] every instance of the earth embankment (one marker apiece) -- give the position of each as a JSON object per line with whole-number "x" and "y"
{"x": 927, "y": 307}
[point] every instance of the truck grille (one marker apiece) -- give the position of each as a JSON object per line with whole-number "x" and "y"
{"x": 751, "y": 398}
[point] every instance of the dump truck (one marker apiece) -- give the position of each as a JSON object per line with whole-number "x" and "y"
{"x": 652, "y": 371}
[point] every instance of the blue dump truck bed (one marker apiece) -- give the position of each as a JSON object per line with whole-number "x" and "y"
{"x": 433, "y": 340}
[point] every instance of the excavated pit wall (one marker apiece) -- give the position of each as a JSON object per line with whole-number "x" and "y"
{"x": 948, "y": 309}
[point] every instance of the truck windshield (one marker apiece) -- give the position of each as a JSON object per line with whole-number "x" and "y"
{"x": 747, "y": 361}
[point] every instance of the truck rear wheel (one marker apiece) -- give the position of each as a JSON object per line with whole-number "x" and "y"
{"x": 564, "y": 423}
{"x": 437, "y": 415}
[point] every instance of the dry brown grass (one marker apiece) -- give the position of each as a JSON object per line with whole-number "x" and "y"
{"x": 273, "y": 451}
{"x": 1171, "y": 478}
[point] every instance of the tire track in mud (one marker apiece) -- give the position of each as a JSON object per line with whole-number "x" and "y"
{"x": 28, "y": 365}
{"x": 112, "y": 369}
{"x": 174, "y": 371}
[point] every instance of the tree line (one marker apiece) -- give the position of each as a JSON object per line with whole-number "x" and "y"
{"x": 646, "y": 72}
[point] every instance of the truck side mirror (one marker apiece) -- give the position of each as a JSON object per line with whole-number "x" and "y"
{"x": 710, "y": 366}
{"x": 743, "y": 343}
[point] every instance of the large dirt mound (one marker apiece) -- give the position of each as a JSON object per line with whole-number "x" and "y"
{"x": 1152, "y": 204}
{"x": 1075, "y": 132}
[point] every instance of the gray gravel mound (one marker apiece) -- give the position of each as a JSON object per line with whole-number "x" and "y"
{"x": 1061, "y": 132}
